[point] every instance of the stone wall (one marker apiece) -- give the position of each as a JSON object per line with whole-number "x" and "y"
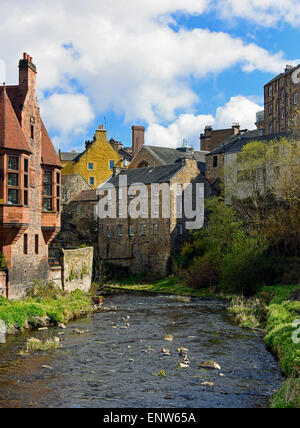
{"x": 55, "y": 276}
{"x": 72, "y": 186}
{"x": 77, "y": 269}
{"x": 3, "y": 284}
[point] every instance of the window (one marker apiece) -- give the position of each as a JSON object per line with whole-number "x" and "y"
{"x": 270, "y": 109}
{"x": 90, "y": 166}
{"x": 143, "y": 229}
{"x": 26, "y": 180}
{"x": 108, "y": 232}
{"x": 32, "y": 131}
{"x": 271, "y": 128}
{"x": 58, "y": 192}
{"x": 282, "y": 94}
{"x": 270, "y": 91}
{"x": 13, "y": 163}
{"x": 131, "y": 231}
{"x": 25, "y": 244}
{"x": 13, "y": 180}
{"x": 92, "y": 181}
{"x": 120, "y": 230}
{"x": 36, "y": 244}
{"x": 48, "y": 191}
{"x": 296, "y": 98}
{"x": 155, "y": 229}
{"x": 111, "y": 165}
{"x": 78, "y": 209}
{"x": 283, "y": 114}
{"x": 215, "y": 161}
{"x": 179, "y": 229}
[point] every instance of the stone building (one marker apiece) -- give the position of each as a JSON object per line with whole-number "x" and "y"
{"x": 281, "y": 101}
{"x": 147, "y": 243}
{"x": 30, "y": 183}
{"x": 79, "y": 224}
{"x": 96, "y": 163}
{"x": 212, "y": 138}
{"x": 124, "y": 152}
{"x": 216, "y": 159}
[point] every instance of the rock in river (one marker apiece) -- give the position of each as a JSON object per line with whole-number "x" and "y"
{"x": 209, "y": 365}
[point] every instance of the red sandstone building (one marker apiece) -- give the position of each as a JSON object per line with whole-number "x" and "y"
{"x": 29, "y": 183}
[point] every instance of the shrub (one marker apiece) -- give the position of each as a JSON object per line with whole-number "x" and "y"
{"x": 3, "y": 262}
{"x": 243, "y": 268}
{"x": 204, "y": 273}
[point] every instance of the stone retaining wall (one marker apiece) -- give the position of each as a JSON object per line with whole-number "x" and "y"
{"x": 77, "y": 269}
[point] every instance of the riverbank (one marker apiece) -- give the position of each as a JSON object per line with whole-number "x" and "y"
{"x": 49, "y": 307}
{"x": 271, "y": 310}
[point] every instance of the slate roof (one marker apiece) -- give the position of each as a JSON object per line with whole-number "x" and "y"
{"x": 86, "y": 196}
{"x": 235, "y": 143}
{"x": 11, "y": 133}
{"x": 49, "y": 155}
{"x": 158, "y": 174}
{"x": 169, "y": 156}
{"x": 283, "y": 74}
{"x": 65, "y": 156}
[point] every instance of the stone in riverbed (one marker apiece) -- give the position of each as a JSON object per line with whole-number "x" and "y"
{"x": 168, "y": 338}
{"x": 61, "y": 325}
{"x": 210, "y": 384}
{"x": 166, "y": 352}
{"x": 212, "y": 365}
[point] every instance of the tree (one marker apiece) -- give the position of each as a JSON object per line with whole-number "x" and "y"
{"x": 263, "y": 184}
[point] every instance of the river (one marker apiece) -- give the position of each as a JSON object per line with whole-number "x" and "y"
{"x": 115, "y": 364}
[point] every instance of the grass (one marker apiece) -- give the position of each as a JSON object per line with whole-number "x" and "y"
{"x": 34, "y": 345}
{"x": 55, "y": 306}
{"x": 172, "y": 285}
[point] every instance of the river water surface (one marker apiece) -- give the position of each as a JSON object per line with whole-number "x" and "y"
{"x": 115, "y": 364}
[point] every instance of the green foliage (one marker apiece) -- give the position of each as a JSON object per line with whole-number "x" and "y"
{"x": 3, "y": 262}
{"x": 288, "y": 397}
{"x": 243, "y": 269}
{"x": 48, "y": 302}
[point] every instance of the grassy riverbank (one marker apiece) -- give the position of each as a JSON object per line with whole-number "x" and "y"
{"x": 49, "y": 307}
{"x": 270, "y": 310}
{"x": 172, "y": 285}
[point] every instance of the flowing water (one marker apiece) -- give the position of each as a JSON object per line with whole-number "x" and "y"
{"x": 115, "y": 364}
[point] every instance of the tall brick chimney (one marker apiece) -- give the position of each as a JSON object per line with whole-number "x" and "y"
{"x": 27, "y": 73}
{"x": 138, "y": 138}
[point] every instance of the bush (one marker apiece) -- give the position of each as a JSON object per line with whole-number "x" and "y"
{"x": 3, "y": 262}
{"x": 204, "y": 273}
{"x": 243, "y": 267}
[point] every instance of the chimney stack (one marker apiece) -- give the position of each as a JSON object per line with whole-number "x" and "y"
{"x": 287, "y": 68}
{"x": 27, "y": 74}
{"x": 138, "y": 139}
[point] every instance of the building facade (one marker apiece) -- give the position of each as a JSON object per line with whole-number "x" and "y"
{"x": 30, "y": 183}
{"x": 96, "y": 163}
{"x": 212, "y": 138}
{"x": 281, "y": 101}
{"x": 147, "y": 243}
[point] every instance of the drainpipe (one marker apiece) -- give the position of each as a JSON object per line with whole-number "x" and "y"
{"x": 7, "y": 282}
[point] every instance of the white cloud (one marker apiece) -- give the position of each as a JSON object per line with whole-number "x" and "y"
{"x": 264, "y": 12}
{"x": 67, "y": 114}
{"x": 189, "y": 127}
{"x": 124, "y": 57}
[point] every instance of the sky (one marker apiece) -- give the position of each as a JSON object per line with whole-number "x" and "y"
{"x": 173, "y": 66}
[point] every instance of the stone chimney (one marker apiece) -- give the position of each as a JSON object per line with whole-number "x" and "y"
{"x": 88, "y": 144}
{"x": 236, "y": 128}
{"x": 27, "y": 74}
{"x": 138, "y": 139}
{"x": 288, "y": 68}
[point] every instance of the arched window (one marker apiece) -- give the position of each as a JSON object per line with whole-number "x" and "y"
{"x": 143, "y": 164}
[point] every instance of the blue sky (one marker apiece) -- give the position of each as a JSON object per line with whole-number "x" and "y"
{"x": 169, "y": 65}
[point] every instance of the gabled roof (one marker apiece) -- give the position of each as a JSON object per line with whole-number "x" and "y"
{"x": 68, "y": 156}
{"x": 168, "y": 155}
{"x": 11, "y": 133}
{"x": 286, "y": 73}
{"x": 49, "y": 155}
{"x": 235, "y": 143}
{"x": 86, "y": 196}
{"x": 158, "y": 174}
